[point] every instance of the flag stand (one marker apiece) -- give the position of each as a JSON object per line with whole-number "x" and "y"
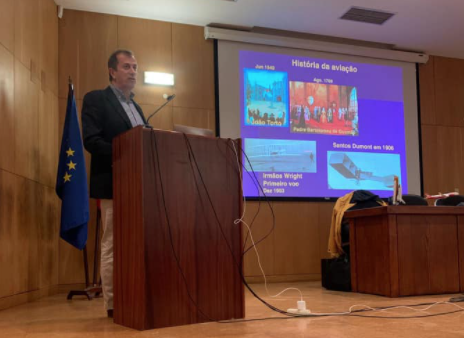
{"x": 71, "y": 187}
{"x": 91, "y": 290}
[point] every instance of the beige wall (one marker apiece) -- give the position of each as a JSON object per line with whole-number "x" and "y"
{"x": 29, "y": 210}
{"x": 33, "y": 79}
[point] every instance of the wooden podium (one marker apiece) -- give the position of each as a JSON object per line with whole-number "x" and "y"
{"x": 407, "y": 250}
{"x": 177, "y": 259}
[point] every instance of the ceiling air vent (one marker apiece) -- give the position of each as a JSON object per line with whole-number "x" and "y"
{"x": 367, "y": 15}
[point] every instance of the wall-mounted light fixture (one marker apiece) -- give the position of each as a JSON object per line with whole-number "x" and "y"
{"x": 161, "y": 79}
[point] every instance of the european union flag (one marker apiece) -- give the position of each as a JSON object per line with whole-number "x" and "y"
{"x": 71, "y": 181}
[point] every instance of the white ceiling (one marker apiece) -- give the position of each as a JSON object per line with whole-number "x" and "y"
{"x": 431, "y": 26}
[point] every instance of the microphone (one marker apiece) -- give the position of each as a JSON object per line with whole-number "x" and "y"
{"x": 168, "y": 99}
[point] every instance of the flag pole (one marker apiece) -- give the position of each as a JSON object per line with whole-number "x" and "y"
{"x": 90, "y": 291}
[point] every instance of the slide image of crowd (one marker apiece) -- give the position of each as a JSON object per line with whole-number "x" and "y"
{"x": 357, "y": 170}
{"x": 281, "y": 155}
{"x": 266, "y": 97}
{"x": 317, "y": 108}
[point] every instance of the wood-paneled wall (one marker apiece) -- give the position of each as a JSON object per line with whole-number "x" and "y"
{"x": 29, "y": 208}
{"x": 38, "y": 53}
{"x": 85, "y": 42}
{"x": 294, "y": 249}
{"x": 442, "y": 124}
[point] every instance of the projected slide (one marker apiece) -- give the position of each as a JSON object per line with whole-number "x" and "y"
{"x": 352, "y": 170}
{"x": 323, "y": 109}
{"x": 281, "y": 155}
{"x": 266, "y": 98}
{"x": 320, "y": 127}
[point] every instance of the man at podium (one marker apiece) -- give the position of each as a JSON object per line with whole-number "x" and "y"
{"x": 105, "y": 114}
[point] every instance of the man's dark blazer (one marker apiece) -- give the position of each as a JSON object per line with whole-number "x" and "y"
{"x": 103, "y": 118}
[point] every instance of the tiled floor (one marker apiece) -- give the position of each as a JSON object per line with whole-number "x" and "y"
{"x": 57, "y": 317}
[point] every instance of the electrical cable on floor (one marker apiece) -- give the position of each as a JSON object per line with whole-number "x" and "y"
{"x": 353, "y": 313}
{"x": 241, "y": 220}
{"x": 457, "y": 299}
{"x": 238, "y": 265}
{"x": 350, "y": 312}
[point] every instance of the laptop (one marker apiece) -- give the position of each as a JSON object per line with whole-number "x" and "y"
{"x": 193, "y": 130}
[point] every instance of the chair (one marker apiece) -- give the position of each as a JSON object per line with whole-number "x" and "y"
{"x": 450, "y": 201}
{"x": 411, "y": 199}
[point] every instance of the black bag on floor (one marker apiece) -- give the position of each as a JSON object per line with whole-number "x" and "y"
{"x": 336, "y": 274}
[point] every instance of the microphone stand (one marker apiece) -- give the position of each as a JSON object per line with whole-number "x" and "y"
{"x": 169, "y": 99}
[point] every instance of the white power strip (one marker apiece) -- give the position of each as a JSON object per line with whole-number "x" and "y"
{"x": 301, "y": 308}
{"x": 299, "y": 312}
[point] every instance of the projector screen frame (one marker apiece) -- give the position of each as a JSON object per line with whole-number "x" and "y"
{"x": 215, "y": 33}
{"x": 315, "y": 199}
